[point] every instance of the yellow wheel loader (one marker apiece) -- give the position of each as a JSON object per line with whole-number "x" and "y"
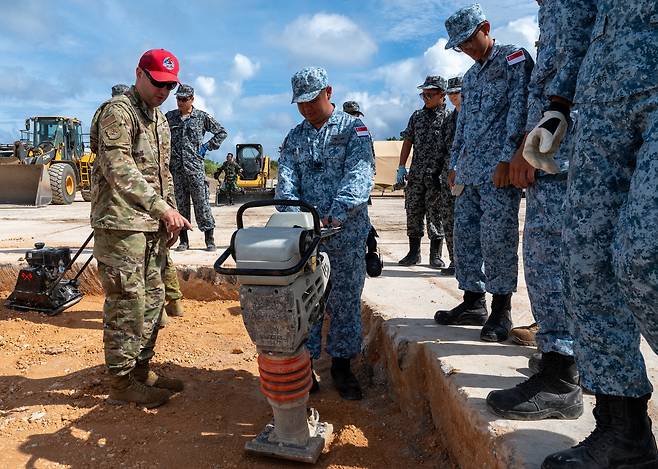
{"x": 47, "y": 165}
{"x": 254, "y": 181}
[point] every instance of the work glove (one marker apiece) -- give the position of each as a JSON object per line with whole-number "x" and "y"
{"x": 202, "y": 150}
{"x": 401, "y": 176}
{"x": 543, "y": 141}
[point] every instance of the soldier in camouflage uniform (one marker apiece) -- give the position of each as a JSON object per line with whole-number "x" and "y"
{"x": 607, "y": 67}
{"x": 188, "y": 126}
{"x": 374, "y": 261}
{"x": 327, "y": 162}
{"x": 447, "y": 205}
{"x": 134, "y": 219}
{"x": 231, "y": 170}
{"x": 553, "y": 391}
{"x": 422, "y": 197}
{"x": 173, "y": 295}
{"x": 490, "y": 128}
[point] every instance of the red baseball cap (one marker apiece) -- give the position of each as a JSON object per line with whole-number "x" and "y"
{"x": 161, "y": 64}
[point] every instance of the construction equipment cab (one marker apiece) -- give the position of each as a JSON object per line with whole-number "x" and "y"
{"x": 255, "y": 166}
{"x": 47, "y": 164}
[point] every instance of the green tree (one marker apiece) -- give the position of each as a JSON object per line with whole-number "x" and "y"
{"x": 210, "y": 167}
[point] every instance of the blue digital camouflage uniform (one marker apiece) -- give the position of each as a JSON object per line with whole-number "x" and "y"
{"x": 490, "y": 127}
{"x": 332, "y": 168}
{"x": 542, "y": 234}
{"x": 607, "y": 67}
{"x": 187, "y": 165}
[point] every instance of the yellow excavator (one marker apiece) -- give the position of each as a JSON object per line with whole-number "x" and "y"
{"x": 47, "y": 165}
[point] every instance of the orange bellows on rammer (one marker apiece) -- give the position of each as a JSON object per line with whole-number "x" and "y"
{"x": 284, "y": 379}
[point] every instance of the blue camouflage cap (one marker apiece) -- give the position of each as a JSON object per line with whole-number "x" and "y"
{"x": 463, "y": 23}
{"x": 455, "y": 84}
{"x": 434, "y": 82}
{"x": 307, "y": 84}
{"x": 184, "y": 91}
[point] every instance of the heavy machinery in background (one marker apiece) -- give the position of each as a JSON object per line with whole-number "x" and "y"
{"x": 255, "y": 181}
{"x": 48, "y": 164}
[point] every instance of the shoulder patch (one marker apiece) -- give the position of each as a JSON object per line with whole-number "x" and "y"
{"x": 362, "y": 131}
{"x": 113, "y": 132}
{"x": 515, "y": 58}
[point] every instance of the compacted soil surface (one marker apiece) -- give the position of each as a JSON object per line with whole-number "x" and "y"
{"x": 53, "y": 409}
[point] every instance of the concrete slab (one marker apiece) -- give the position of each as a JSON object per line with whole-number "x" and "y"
{"x": 439, "y": 374}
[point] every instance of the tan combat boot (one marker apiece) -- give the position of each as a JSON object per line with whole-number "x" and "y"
{"x": 174, "y": 308}
{"x": 124, "y": 389}
{"x": 525, "y": 335}
{"x": 143, "y": 374}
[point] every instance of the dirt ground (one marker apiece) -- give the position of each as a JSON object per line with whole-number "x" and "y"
{"x": 53, "y": 411}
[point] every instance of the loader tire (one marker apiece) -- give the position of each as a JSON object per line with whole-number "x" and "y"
{"x": 86, "y": 195}
{"x": 62, "y": 183}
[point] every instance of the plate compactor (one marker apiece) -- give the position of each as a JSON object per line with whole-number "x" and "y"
{"x": 41, "y": 285}
{"x": 284, "y": 283}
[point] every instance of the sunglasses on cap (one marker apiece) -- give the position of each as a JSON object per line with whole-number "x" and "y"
{"x": 170, "y": 85}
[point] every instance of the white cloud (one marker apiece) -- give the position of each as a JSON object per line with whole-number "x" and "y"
{"x": 523, "y": 32}
{"x": 329, "y": 38}
{"x": 243, "y": 67}
{"x": 205, "y": 84}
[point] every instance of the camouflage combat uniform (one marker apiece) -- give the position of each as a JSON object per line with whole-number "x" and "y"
{"x": 131, "y": 190}
{"x": 332, "y": 168}
{"x": 490, "y": 127}
{"x": 231, "y": 170}
{"x": 422, "y": 194}
{"x": 172, "y": 286}
{"x": 187, "y": 166}
{"x": 608, "y": 69}
{"x": 447, "y": 200}
{"x": 542, "y": 234}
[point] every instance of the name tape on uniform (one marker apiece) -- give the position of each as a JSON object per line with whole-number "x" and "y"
{"x": 515, "y": 58}
{"x": 362, "y": 132}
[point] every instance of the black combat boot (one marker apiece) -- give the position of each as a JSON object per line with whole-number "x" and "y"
{"x": 344, "y": 380}
{"x": 553, "y": 392}
{"x": 184, "y": 242}
{"x": 435, "y": 254}
{"x": 497, "y": 327}
{"x": 374, "y": 261}
{"x": 413, "y": 256}
{"x": 471, "y": 312}
{"x": 622, "y": 438}
{"x": 448, "y": 271}
{"x": 210, "y": 240}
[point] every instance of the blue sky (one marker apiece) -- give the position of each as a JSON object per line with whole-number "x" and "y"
{"x": 63, "y": 57}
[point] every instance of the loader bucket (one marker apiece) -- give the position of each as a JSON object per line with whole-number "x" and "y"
{"x": 25, "y": 184}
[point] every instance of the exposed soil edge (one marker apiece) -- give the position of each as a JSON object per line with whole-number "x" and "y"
{"x": 423, "y": 389}
{"x": 196, "y": 282}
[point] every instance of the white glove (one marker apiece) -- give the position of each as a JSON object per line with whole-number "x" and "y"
{"x": 543, "y": 141}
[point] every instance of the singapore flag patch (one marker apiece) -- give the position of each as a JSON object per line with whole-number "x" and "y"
{"x": 362, "y": 131}
{"x": 515, "y": 58}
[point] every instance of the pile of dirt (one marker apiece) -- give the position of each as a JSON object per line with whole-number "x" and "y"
{"x": 53, "y": 410}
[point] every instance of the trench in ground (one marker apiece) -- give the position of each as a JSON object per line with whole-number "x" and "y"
{"x": 53, "y": 388}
